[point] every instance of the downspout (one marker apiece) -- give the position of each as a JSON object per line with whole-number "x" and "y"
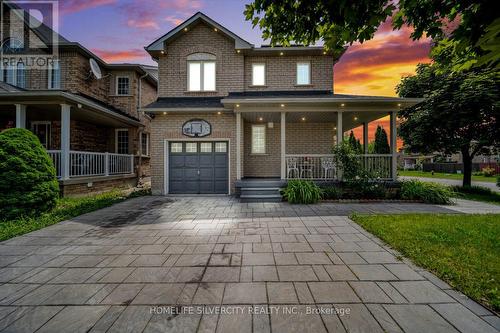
{"x": 139, "y": 106}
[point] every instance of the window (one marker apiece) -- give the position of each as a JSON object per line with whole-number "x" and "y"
{"x": 206, "y": 147}
{"x": 191, "y": 147}
{"x": 54, "y": 75}
{"x": 145, "y": 144}
{"x": 258, "y": 74}
{"x": 258, "y": 139}
{"x": 20, "y": 76}
{"x": 176, "y": 147}
{"x": 303, "y": 73}
{"x": 201, "y": 72}
{"x": 122, "y": 85}
{"x": 14, "y": 75}
{"x": 220, "y": 147}
{"x": 122, "y": 141}
{"x": 42, "y": 130}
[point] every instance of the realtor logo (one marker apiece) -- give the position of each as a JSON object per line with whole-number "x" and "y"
{"x": 28, "y": 34}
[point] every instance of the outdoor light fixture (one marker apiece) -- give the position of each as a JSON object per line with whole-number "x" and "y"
{"x": 399, "y": 104}
{"x": 219, "y": 113}
{"x": 335, "y": 128}
{"x": 281, "y": 53}
{"x": 303, "y": 118}
{"x": 355, "y": 118}
{"x": 164, "y": 113}
{"x": 162, "y": 52}
{"x": 215, "y": 29}
{"x": 238, "y": 51}
{"x": 343, "y": 104}
{"x": 282, "y": 105}
{"x": 185, "y": 29}
{"x": 237, "y": 105}
{"x": 260, "y": 118}
{"x": 324, "y": 52}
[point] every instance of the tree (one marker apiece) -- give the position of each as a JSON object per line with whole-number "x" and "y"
{"x": 341, "y": 23}
{"x": 28, "y": 185}
{"x": 354, "y": 143}
{"x": 381, "y": 145}
{"x": 460, "y": 112}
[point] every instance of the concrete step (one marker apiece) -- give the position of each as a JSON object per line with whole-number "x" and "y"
{"x": 260, "y": 183}
{"x": 261, "y": 198}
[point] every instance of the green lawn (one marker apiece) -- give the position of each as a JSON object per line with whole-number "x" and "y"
{"x": 66, "y": 208}
{"x": 445, "y": 176}
{"x": 463, "y": 250}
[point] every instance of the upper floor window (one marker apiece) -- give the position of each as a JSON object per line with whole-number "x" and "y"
{"x": 258, "y": 139}
{"x": 54, "y": 75}
{"x": 14, "y": 75}
{"x": 258, "y": 74}
{"x": 122, "y": 85}
{"x": 303, "y": 73}
{"x": 201, "y": 72}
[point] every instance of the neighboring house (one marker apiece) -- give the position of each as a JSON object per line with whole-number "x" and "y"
{"x": 228, "y": 113}
{"x": 91, "y": 126}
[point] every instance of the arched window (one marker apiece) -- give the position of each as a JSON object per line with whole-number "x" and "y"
{"x": 201, "y": 72}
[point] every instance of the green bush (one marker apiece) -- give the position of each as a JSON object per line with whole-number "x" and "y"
{"x": 476, "y": 193}
{"x": 28, "y": 185}
{"x": 331, "y": 193}
{"x": 302, "y": 192}
{"x": 488, "y": 172}
{"x": 498, "y": 181}
{"x": 427, "y": 192}
{"x": 347, "y": 161}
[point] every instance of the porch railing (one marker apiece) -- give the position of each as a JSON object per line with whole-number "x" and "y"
{"x": 87, "y": 164}
{"x": 323, "y": 166}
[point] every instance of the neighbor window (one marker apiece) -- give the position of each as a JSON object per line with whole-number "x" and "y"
{"x": 303, "y": 73}
{"x": 122, "y": 85}
{"x": 258, "y": 139}
{"x": 145, "y": 144}
{"x": 201, "y": 72}
{"x": 54, "y": 75}
{"x": 122, "y": 141}
{"x": 258, "y": 74}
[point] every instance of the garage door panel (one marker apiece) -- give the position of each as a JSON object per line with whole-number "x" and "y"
{"x": 191, "y": 161}
{"x": 220, "y": 173}
{"x": 206, "y": 160}
{"x": 176, "y": 161}
{"x": 220, "y": 160}
{"x": 176, "y": 174}
{"x": 206, "y": 186}
{"x": 190, "y": 174}
{"x": 221, "y": 186}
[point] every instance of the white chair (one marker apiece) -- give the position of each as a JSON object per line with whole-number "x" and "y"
{"x": 328, "y": 164}
{"x": 291, "y": 167}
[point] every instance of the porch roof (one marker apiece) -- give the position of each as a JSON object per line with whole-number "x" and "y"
{"x": 45, "y": 97}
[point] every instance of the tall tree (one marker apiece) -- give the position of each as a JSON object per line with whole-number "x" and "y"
{"x": 355, "y": 143}
{"x": 381, "y": 141}
{"x": 459, "y": 115}
{"x": 341, "y": 23}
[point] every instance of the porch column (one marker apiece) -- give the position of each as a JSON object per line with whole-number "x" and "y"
{"x": 283, "y": 145}
{"x": 365, "y": 138}
{"x": 238, "y": 146}
{"x": 340, "y": 131}
{"x": 20, "y": 116}
{"x": 65, "y": 140}
{"x": 394, "y": 150}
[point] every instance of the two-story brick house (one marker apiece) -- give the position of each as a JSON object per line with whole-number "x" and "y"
{"x": 91, "y": 125}
{"x": 228, "y": 113}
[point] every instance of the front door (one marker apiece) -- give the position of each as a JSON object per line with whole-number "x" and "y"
{"x": 198, "y": 167}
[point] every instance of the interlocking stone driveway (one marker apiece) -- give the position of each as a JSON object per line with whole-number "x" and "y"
{"x": 255, "y": 267}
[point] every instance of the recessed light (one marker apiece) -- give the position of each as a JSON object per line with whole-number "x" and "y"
{"x": 237, "y": 105}
{"x": 281, "y": 53}
{"x": 399, "y": 104}
{"x": 238, "y": 51}
{"x": 355, "y": 118}
{"x": 219, "y": 113}
{"x": 303, "y": 118}
{"x": 164, "y": 113}
{"x": 282, "y": 105}
{"x": 185, "y": 29}
{"x": 162, "y": 52}
{"x": 260, "y": 118}
{"x": 215, "y": 29}
{"x": 343, "y": 104}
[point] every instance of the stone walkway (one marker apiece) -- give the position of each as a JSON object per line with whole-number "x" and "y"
{"x": 157, "y": 264}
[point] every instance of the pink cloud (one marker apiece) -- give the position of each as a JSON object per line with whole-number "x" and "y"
{"x": 73, "y": 6}
{"x": 120, "y": 55}
{"x": 174, "y": 20}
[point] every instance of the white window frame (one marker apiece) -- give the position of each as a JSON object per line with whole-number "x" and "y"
{"x": 50, "y": 79}
{"x": 202, "y": 75}
{"x": 116, "y": 139}
{"x": 14, "y": 71}
{"x": 23, "y": 85}
{"x": 147, "y": 144}
{"x": 308, "y": 63}
{"x": 117, "y": 91}
{"x": 254, "y": 150}
{"x": 253, "y": 74}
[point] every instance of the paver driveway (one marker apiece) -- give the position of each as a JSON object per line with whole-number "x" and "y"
{"x": 225, "y": 267}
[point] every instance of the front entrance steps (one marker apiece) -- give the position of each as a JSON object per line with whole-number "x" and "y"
{"x": 260, "y": 189}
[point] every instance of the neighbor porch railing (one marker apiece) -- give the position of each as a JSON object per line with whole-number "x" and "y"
{"x": 88, "y": 164}
{"x": 323, "y": 166}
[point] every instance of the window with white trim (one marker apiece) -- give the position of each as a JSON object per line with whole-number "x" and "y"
{"x": 303, "y": 73}
{"x": 201, "y": 72}
{"x": 20, "y": 75}
{"x": 145, "y": 144}
{"x": 258, "y": 74}
{"x": 122, "y": 141}
{"x": 258, "y": 139}
{"x": 122, "y": 85}
{"x": 14, "y": 75}
{"x": 54, "y": 75}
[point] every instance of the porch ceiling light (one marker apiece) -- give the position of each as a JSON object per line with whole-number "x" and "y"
{"x": 162, "y": 52}
{"x": 215, "y": 29}
{"x": 238, "y": 51}
{"x": 164, "y": 113}
{"x": 399, "y": 104}
{"x": 281, "y": 53}
{"x": 260, "y": 118}
{"x": 237, "y": 105}
{"x": 342, "y": 105}
{"x": 219, "y": 113}
{"x": 303, "y": 118}
{"x": 355, "y": 118}
{"x": 185, "y": 29}
{"x": 282, "y": 105}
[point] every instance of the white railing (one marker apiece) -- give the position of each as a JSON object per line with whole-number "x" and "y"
{"x": 55, "y": 155}
{"x": 323, "y": 166}
{"x": 88, "y": 164}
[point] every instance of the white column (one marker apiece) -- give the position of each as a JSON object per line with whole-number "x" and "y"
{"x": 238, "y": 146}
{"x": 20, "y": 116}
{"x": 65, "y": 140}
{"x": 394, "y": 151}
{"x": 283, "y": 145}
{"x": 365, "y": 137}
{"x": 340, "y": 131}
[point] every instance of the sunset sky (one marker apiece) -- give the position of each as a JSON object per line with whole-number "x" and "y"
{"x": 118, "y": 30}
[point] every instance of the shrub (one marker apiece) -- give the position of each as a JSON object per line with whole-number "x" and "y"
{"x": 302, "y": 192}
{"x": 476, "y": 193}
{"x": 331, "y": 193}
{"x": 347, "y": 161}
{"x": 427, "y": 192}
{"x": 488, "y": 172}
{"x": 28, "y": 184}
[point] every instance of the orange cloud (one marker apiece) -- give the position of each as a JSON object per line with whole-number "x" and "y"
{"x": 120, "y": 56}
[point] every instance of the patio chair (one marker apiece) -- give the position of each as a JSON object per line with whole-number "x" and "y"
{"x": 328, "y": 164}
{"x": 291, "y": 167}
